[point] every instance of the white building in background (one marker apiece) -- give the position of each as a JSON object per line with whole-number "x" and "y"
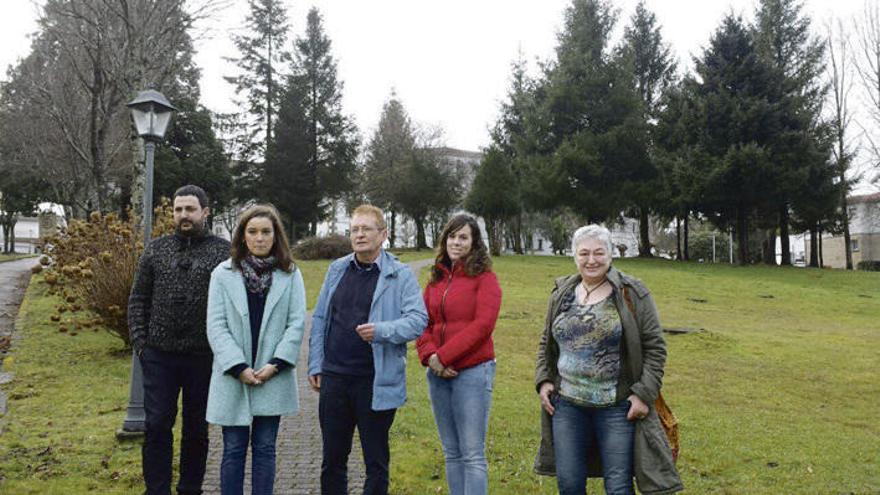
{"x": 864, "y": 229}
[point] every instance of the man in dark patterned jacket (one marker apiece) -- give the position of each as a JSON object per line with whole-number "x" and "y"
{"x": 166, "y": 318}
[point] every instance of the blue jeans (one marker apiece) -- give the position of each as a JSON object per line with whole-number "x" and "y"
{"x": 461, "y": 410}
{"x": 261, "y": 435}
{"x": 575, "y": 428}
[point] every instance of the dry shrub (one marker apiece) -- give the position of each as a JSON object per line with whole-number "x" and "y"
{"x": 322, "y": 248}
{"x": 91, "y": 266}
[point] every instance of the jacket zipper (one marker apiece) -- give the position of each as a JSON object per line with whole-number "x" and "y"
{"x": 443, "y": 310}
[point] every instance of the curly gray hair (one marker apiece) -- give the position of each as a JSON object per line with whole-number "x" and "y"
{"x": 592, "y": 231}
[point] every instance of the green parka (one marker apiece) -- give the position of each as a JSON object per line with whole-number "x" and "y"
{"x": 643, "y": 355}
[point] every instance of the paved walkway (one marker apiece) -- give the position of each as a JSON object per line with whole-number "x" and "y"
{"x": 299, "y": 441}
{"x": 14, "y": 278}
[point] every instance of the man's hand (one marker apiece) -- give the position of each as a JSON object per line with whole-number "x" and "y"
{"x": 315, "y": 382}
{"x": 266, "y": 372}
{"x": 248, "y": 377}
{"x": 367, "y": 331}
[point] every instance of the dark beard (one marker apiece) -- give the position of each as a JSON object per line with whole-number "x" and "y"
{"x": 196, "y": 231}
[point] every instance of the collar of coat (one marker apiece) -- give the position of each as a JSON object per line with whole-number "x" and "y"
{"x": 234, "y": 281}
{"x": 616, "y": 278}
{"x": 388, "y": 263}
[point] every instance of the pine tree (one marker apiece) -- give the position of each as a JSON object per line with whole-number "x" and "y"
{"x": 785, "y": 44}
{"x": 511, "y": 143}
{"x": 286, "y": 178}
{"x": 737, "y": 122}
{"x": 330, "y": 136}
{"x": 261, "y": 58}
{"x": 591, "y": 117}
{"x": 653, "y": 69}
{"x": 389, "y": 153}
{"x": 489, "y": 196}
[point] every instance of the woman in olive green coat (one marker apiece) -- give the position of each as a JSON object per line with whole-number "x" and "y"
{"x": 599, "y": 371}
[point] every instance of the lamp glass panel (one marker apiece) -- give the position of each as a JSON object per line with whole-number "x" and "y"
{"x": 142, "y": 121}
{"x": 160, "y": 125}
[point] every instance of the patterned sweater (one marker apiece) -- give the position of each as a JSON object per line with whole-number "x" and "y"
{"x": 168, "y": 304}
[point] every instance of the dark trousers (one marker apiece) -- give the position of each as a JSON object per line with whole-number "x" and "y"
{"x": 343, "y": 405}
{"x": 165, "y": 375}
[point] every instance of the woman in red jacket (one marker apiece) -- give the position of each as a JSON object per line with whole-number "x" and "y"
{"x": 462, "y": 298}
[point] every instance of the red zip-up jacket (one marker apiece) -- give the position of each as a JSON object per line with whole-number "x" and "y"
{"x": 461, "y": 317}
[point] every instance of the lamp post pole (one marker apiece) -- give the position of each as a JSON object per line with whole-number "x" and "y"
{"x": 151, "y": 113}
{"x": 150, "y": 148}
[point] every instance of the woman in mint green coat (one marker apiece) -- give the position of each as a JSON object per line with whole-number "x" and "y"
{"x": 256, "y": 311}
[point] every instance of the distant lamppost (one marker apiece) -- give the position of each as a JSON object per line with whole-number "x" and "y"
{"x": 151, "y": 113}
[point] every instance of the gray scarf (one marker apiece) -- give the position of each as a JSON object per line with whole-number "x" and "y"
{"x": 257, "y": 273}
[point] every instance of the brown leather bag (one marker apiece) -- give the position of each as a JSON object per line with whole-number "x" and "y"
{"x": 667, "y": 418}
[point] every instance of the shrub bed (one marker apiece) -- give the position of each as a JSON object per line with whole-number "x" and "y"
{"x": 322, "y": 248}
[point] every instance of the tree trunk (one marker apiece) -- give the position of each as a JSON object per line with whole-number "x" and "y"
{"x": 742, "y": 236}
{"x": 847, "y": 240}
{"x": 768, "y": 247}
{"x": 392, "y": 237}
{"x": 678, "y": 239}
{"x": 783, "y": 237}
{"x": 821, "y": 251}
{"x": 644, "y": 238}
{"x": 687, "y": 224}
{"x": 5, "y": 237}
{"x": 493, "y": 229}
{"x": 421, "y": 242}
{"x": 517, "y": 235}
{"x": 814, "y": 247}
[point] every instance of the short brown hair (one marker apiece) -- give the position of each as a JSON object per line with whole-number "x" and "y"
{"x": 280, "y": 246}
{"x": 373, "y": 211}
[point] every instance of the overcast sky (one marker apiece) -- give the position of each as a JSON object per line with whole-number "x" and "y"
{"x": 448, "y": 61}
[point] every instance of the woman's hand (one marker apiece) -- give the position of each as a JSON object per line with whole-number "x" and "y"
{"x": 637, "y": 409}
{"x": 248, "y": 377}
{"x": 266, "y": 372}
{"x": 546, "y": 389}
{"x": 448, "y": 373}
{"x": 435, "y": 365}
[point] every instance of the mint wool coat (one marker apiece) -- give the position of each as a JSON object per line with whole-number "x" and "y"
{"x": 230, "y": 402}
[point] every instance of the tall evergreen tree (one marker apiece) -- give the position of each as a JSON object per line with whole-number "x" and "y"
{"x": 785, "y": 44}
{"x": 511, "y": 143}
{"x": 193, "y": 155}
{"x": 653, "y": 70}
{"x": 679, "y": 158}
{"x": 286, "y": 179}
{"x": 595, "y": 137}
{"x": 738, "y": 97}
{"x": 389, "y": 153}
{"x": 428, "y": 186}
{"x": 488, "y": 195}
{"x": 260, "y": 61}
{"x": 331, "y": 141}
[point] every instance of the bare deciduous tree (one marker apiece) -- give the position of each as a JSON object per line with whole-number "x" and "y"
{"x": 839, "y": 70}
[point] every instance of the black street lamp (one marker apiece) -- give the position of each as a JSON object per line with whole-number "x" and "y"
{"x": 151, "y": 113}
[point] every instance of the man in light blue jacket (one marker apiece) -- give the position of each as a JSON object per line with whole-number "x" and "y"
{"x": 369, "y": 307}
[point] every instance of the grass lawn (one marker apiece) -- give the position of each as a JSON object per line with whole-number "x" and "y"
{"x": 777, "y": 395}
{"x": 410, "y": 255}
